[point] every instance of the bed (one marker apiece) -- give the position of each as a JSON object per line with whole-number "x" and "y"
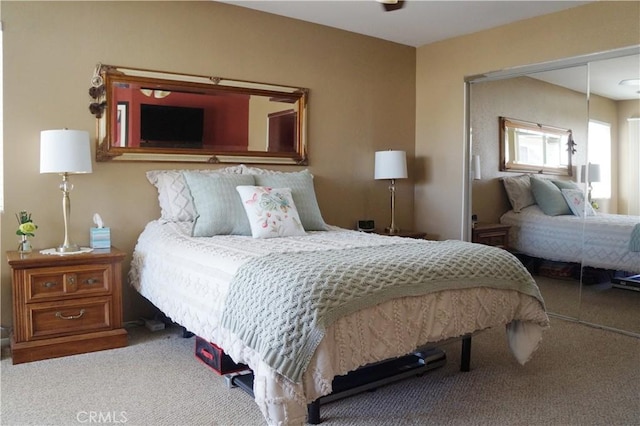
{"x": 599, "y": 241}
{"x": 550, "y": 220}
{"x": 212, "y": 284}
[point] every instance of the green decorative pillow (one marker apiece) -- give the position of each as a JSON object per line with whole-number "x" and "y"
{"x": 217, "y": 203}
{"x": 564, "y": 184}
{"x": 304, "y": 196}
{"x": 176, "y": 203}
{"x": 549, "y": 197}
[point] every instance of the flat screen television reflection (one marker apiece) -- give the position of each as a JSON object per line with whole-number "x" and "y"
{"x": 171, "y": 126}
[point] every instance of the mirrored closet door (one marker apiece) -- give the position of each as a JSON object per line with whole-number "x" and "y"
{"x": 610, "y": 298}
{"x": 601, "y": 170}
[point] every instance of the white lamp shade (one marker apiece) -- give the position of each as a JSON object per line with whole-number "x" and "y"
{"x": 477, "y": 174}
{"x": 65, "y": 151}
{"x": 594, "y": 173}
{"x": 391, "y": 165}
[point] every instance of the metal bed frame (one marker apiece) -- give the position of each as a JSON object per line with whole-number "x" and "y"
{"x": 368, "y": 377}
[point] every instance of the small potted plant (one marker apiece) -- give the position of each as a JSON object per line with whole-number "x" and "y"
{"x": 26, "y": 229}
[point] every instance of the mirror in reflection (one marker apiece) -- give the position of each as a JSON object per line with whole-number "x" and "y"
{"x": 534, "y": 147}
{"x": 148, "y": 115}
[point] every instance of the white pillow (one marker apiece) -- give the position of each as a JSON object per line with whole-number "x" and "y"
{"x": 174, "y": 197}
{"x": 271, "y": 211}
{"x": 519, "y": 191}
{"x": 258, "y": 171}
{"x": 575, "y": 200}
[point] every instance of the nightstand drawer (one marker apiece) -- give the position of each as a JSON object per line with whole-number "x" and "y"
{"x": 50, "y": 319}
{"x": 493, "y": 239}
{"x": 62, "y": 283}
{"x": 491, "y": 234}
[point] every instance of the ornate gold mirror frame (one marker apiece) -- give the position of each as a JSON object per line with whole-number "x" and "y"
{"x": 145, "y": 115}
{"x": 532, "y": 147}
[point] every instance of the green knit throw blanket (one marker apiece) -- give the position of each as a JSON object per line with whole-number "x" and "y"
{"x": 281, "y": 304}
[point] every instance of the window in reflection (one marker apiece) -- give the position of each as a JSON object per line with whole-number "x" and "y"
{"x": 600, "y": 153}
{"x": 537, "y": 148}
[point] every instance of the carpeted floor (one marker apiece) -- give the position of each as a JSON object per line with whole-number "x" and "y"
{"x": 598, "y": 303}
{"x": 579, "y": 376}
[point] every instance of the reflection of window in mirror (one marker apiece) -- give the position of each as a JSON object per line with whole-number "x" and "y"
{"x": 537, "y": 148}
{"x": 600, "y": 153}
{"x": 633, "y": 171}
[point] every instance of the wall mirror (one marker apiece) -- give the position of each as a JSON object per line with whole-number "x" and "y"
{"x": 534, "y": 147}
{"x": 577, "y": 94}
{"x": 145, "y": 115}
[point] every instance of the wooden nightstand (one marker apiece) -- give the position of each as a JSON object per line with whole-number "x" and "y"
{"x": 491, "y": 234}
{"x": 404, "y": 234}
{"x": 65, "y": 305}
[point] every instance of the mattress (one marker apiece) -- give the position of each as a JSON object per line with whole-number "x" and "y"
{"x": 188, "y": 279}
{"x": 600, "y": 241}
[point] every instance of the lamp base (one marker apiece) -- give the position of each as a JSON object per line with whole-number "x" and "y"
{"x": 67, "y": 248}
{"x": 392, "y": 230}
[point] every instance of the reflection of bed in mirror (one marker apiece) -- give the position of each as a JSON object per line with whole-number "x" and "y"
{"x": 550, "y": 219}
{"x": 216, "y": 282}
{"x": 605, "y": 243}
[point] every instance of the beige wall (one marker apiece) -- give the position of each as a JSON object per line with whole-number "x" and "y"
{"x": 361, "y": 99}
{"x": 440, "y": 105}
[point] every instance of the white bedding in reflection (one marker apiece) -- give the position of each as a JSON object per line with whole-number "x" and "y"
{"x": 600, "y": 241}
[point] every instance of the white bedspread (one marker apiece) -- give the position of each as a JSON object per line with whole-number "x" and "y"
{"x": 600, "y": 241}
{"x": 187, "y": 278}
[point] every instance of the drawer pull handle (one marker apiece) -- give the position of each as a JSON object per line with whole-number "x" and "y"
{"x": 49, "y": 284}
{"x": 70, "y": 317}
{"x": 92, "y": 281}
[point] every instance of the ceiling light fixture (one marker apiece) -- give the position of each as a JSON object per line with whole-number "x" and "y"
{"x": 630, "y": 82}
{"x": 391, "y": 5}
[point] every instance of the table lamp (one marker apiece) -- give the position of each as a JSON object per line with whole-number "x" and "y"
{"x": 592, "y": 176}
{"x": 391, "y": 165}
{"x": 65, "y": 152}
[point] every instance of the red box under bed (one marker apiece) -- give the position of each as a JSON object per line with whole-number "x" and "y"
{"x": 214, "y": 357}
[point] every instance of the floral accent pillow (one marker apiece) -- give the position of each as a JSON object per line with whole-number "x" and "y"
{"x": 575, "y": 200}
{"x": 271, "y": 211}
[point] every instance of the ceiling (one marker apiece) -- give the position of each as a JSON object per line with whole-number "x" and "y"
{"x": 422, "y": 22}
{"x": 418, "y": 23}
{"x": 604, "y": 77}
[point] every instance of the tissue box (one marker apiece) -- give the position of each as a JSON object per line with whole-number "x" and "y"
{"x": 100, "y": 238}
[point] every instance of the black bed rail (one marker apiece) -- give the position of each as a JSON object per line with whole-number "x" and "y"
{"x": 370, "y": 377}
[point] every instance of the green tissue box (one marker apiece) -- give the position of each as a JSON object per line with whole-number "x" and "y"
{"x": 100, "y": 238}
